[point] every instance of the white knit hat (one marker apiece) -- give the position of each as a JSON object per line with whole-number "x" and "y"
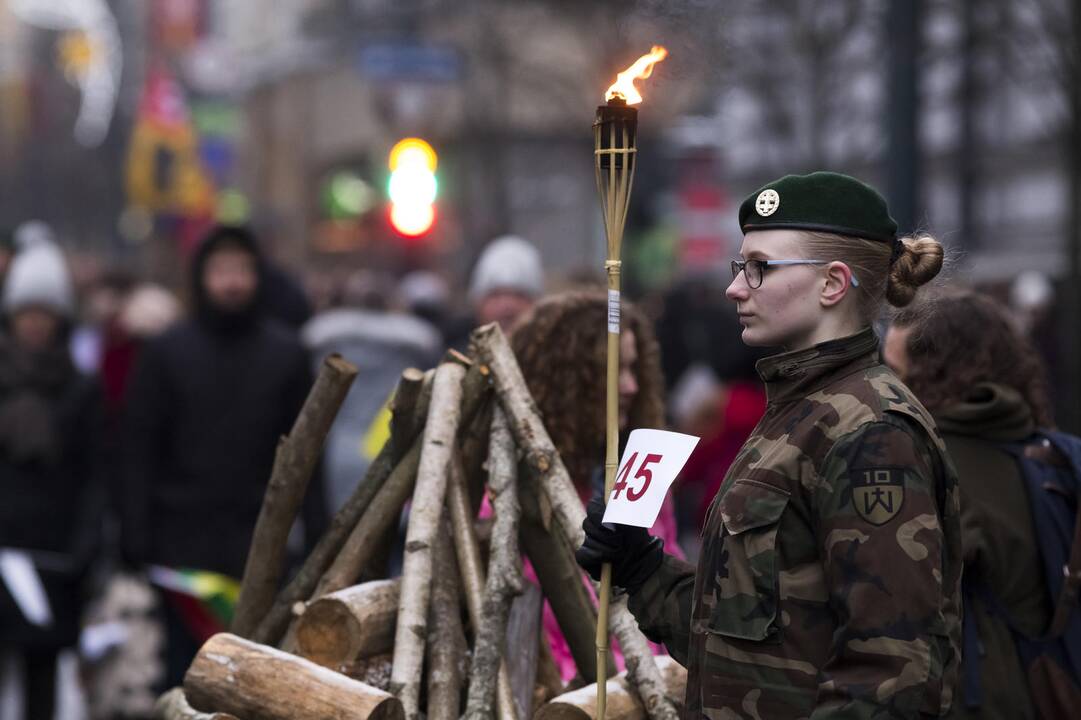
{"x": 39, "y": 276}
{"x": 508, "y": 263}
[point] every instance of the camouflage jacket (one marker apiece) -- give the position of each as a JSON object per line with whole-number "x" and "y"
{"x": 828, "y": 583}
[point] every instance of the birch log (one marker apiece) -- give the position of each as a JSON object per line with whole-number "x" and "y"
{"x": 623, "y": 702}
{"x": 338, "y": 629}
{"x": 302, "y": 586}
{"x": 424, "y": 516}
{"x": 174, "y": 706}
{"x": 249, "y": 680}
{"x": 504, "y": 580}
{"x": 447, "y": 648}
{"x": 467, "y": 550}
{"x": 491, "y": 348}
{"x": 562, "y": 581}
{"x": 294, "y": 462}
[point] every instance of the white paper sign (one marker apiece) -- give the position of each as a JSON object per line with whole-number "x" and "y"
{"x": 24, "y": 584}
{"x": 650, "y": 464}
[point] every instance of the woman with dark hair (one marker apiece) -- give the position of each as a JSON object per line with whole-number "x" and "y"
{"x": 562, "y": 349}
{"x": 984, "y": 383}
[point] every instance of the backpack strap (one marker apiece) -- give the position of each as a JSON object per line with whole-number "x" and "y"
{"x": 1060, "y": 446}
{"x": 1071, "y": 583}
{"x": 972, "y": 651}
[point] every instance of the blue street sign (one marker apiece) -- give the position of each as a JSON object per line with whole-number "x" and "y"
{"x": 405, "y": 61}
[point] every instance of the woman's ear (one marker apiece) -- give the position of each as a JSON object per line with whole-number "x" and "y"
{"x": 839, "y": 279}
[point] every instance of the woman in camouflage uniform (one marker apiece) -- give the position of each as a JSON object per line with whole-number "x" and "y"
{"x": 829, "y": 579}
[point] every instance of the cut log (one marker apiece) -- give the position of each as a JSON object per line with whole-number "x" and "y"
{"x": 447, "y": 648}
{"x": 302, "y": 587}
{"x": 490, "y": 346}
{"x": 230, "y": 674}
{"x": 294, "y": 462}
{"x": 467, "y": 550}
{"x": 504, "y": 581}
{"x": 522, "y": 647}
{"x": 562, "y": 581}
{"x": 403, "y": 422}
{"x": 623, "y": 701}
{"x": 429, "y": 494}
{"x": 338, "y": 629}
{"x": 174, "y": 706}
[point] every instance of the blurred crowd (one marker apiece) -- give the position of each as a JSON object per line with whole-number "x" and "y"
{"x": 138, "y": 425}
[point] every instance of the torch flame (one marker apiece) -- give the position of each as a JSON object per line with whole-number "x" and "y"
{"x": 624, "y": 87}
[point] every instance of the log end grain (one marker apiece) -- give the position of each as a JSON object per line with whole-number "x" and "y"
{"x": 413, "y": 375}
{"x": 328, "y": 634}
{"x": 341, "y": 365}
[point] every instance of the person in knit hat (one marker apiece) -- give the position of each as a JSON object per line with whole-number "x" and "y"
{"x": 50, "y": 467}
{"x": 507, "y": 279}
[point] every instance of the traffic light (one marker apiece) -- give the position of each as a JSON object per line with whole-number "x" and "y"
{"x": 412, "y": 187}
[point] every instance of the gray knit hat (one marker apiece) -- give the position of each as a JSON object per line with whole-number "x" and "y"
{"x": 39, "y": 276}
{"x": 508, "y": 263}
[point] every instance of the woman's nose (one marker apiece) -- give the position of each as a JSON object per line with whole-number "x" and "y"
{"x": 738, "y": 288}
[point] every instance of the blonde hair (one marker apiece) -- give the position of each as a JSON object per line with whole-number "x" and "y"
{"x": 918, "y": 263}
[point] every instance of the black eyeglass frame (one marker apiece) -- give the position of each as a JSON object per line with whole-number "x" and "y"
{"x": 739, "y": 266}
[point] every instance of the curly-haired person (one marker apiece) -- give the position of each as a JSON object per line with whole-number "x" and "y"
{"x": 561, "y": 346}
{"x": 984, "y": 383}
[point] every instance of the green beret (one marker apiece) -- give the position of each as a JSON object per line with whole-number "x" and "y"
{"x": 822, "y": 201}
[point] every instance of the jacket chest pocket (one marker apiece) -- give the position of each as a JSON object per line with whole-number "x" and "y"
{"x": 743, "y": 589}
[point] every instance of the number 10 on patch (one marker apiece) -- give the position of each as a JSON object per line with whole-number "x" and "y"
{"x": 651, "y": 461}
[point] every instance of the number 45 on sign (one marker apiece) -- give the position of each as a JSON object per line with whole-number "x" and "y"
{"x": 650, "y": 463}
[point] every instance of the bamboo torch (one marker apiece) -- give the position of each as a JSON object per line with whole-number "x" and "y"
{"x": 614, "y": 149}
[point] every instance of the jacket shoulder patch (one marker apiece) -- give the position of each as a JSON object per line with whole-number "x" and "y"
{"x": 877, "y": 493}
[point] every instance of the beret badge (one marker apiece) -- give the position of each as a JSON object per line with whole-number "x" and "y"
{"x": 767, "y": 202}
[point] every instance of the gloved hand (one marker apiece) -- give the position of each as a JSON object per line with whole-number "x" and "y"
{"x": 633, "y": 552}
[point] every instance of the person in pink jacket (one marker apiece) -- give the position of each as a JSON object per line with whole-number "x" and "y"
{"x": 561, "y": 346}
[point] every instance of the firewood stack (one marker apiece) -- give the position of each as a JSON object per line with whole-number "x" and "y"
{"x": 459, "y": 632}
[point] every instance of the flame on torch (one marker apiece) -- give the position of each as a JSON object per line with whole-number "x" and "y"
{"x": 642, "y": 68}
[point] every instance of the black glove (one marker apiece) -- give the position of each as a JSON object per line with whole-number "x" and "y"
{"x": 633, "y": 552}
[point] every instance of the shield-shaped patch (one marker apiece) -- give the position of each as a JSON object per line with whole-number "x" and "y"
{"x": 878, "y": 493}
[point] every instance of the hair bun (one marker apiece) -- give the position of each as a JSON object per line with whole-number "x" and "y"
{"x": 918, "y": 263}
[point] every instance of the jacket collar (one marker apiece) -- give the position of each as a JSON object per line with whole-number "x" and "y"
{"x": 794, "y": 375}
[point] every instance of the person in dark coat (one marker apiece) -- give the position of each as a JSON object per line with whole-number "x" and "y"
{"x": 50, "y": 492}
{"x": 985, "y": 385}
{"x": 208, "y": 402}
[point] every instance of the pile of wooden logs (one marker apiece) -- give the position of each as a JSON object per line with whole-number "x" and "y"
{"x": 341, "y": 641}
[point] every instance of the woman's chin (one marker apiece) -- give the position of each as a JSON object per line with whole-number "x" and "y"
{"x": 752, "y": 338}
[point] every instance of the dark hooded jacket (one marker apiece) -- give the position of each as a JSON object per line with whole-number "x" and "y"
{"x": 208, "y": 402}
{"x": 999, "y": 542}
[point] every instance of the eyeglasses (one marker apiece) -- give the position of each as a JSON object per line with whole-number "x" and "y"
{"x": 753, "y": 270}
